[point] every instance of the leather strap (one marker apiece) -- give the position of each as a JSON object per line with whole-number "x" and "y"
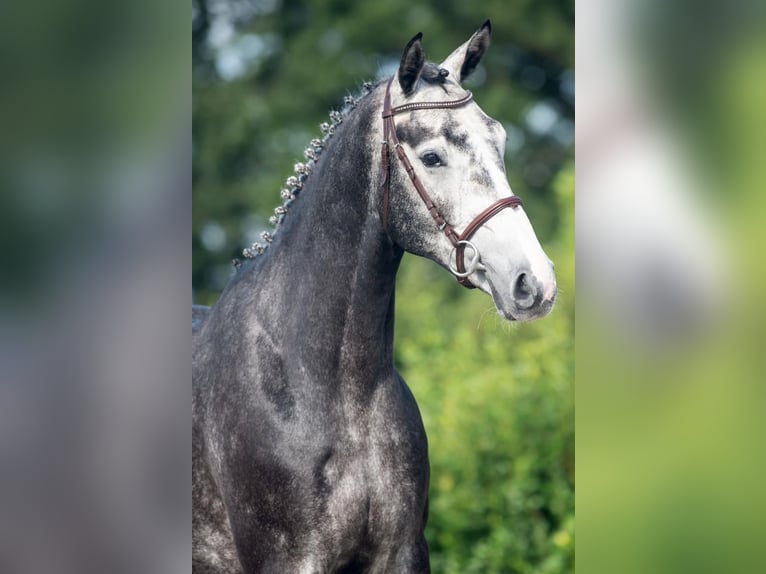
{"x": 478, "y": 221}
{"x": 389, "y": 135}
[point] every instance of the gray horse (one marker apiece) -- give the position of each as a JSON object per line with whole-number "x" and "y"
{"x": 309, "y": 453}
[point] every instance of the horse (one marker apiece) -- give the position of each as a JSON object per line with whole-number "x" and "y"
{"x": 309, "y": 452}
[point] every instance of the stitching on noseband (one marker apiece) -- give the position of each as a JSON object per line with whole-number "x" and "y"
{"x": 459, "y": 241}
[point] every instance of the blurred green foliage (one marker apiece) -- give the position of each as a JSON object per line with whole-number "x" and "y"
{"x": 496, "y": 398}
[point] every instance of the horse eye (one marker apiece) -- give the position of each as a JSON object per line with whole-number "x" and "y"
{"x": 431, "y": 159}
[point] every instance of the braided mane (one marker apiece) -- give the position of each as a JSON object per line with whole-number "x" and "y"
{"x": 302, "y": 170}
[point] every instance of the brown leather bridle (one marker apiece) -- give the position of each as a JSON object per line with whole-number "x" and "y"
{"x": 459, "y": 241}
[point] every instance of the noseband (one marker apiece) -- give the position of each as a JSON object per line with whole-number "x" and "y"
{"x": 459, "y": 241}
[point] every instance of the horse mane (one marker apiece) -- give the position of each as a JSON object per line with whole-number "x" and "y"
{"x": 431, "y": 74}
{"x": 302, "y": 170}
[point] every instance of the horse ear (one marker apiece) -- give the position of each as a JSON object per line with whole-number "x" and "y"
{"x": 411, "y": 65}
{"x": 464, "y": 60}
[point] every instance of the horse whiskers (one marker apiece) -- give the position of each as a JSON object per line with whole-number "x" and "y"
{"x": 506, "y": 326}
{"x": 484, "y": 314}
{"x": 294, "y": 183}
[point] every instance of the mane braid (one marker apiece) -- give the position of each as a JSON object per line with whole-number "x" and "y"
{"x": 302, "y": 170}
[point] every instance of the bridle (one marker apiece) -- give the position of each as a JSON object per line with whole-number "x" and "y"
{"x": 459, "y": 241}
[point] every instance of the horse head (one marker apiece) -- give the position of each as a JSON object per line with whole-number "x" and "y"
{"x": 456, "y": 153}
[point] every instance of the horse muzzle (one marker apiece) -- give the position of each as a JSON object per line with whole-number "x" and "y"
{"x": 530, "y": 296}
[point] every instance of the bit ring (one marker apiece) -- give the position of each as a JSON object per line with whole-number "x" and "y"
{"x": 472, "y": 264}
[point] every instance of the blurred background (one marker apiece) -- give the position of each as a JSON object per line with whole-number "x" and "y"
{"x": 497, "y": 399}
{"x": 670, "y": 282}
{"x": 94, "y": 287}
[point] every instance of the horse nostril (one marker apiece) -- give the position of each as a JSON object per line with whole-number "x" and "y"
{"x": 524, "y": 291}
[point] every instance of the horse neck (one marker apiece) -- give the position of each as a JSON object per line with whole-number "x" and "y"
{"x": 325, "y": 289}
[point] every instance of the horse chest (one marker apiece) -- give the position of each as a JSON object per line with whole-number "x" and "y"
{"x": 376, "y": 490}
